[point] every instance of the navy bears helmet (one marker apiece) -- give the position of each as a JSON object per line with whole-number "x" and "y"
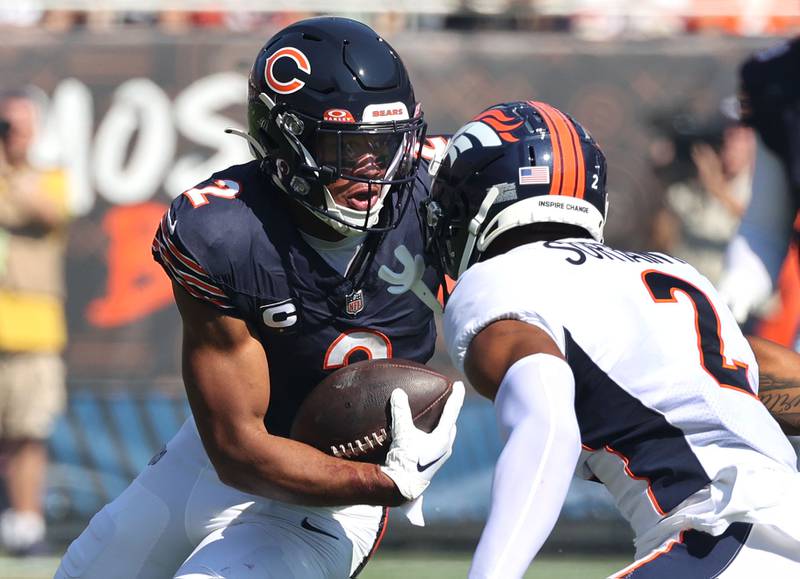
{"x": 514, "y": 164}
{"x": 324, "y": 94}
{"x": 770, "y": 102}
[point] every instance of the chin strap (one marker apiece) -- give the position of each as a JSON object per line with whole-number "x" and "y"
{"x": 255, "y": 146}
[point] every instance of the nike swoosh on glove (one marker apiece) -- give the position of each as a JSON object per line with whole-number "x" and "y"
{"x": 415, "y": 456}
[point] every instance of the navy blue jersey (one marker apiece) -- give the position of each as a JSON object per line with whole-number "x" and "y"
{"x": 771, "y": 103}
{"x": 231, "y": 243}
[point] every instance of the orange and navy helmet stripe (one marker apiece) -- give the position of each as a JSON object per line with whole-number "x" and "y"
{"x": 569, "y": 166}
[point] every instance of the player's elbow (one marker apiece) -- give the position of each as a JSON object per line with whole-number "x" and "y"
{"x": 227, "y": 450}
{"x": 228, "y": 469}
{"x": 228, "y": 465}
{"x": 243, "y": 474}
{"x": 568, "y": 435}
{"x": 563, "y": 433}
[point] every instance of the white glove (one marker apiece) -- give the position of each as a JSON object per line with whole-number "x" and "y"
{"x": 414, "y": 455}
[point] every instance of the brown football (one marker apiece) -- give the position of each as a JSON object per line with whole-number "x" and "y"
{"x": 347, "y": 415}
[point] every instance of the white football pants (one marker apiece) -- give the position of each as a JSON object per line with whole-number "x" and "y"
{"x": 178, "y": 520}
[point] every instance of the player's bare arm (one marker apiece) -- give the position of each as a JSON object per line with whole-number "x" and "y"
{"x": 225, "y": 371}
{"x": 498, "y": 346}
{"x": 779, "y": 382}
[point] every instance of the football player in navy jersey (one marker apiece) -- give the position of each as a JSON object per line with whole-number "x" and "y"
{"x": 623, "y": 367}
{"x": 274, "y": 266}
{"x": 770, "y": 103}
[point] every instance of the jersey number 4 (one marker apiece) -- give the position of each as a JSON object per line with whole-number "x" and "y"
{"x": 662, "y": 288}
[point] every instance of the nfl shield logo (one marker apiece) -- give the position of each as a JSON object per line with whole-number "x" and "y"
{"x": 354, "y": 303}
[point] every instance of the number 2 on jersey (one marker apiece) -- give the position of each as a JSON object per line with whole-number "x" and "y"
{"x": 223, "y": 188}
{"x": 662, "y": 288}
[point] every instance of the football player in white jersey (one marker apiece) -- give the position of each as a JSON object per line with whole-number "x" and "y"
{"x": 626, "y": 367}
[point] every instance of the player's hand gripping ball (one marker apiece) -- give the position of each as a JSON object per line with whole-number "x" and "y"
{"x": 348, "y": 414}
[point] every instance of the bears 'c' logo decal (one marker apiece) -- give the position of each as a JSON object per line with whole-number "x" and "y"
{"x": 294, "y": 84}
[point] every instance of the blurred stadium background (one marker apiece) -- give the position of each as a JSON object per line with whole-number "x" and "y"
{"x": 135, "y": 96}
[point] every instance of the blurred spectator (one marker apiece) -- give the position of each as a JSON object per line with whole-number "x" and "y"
{"x": 61, "y": 20}
{"x": 174, "y": 21}
{"x": 140, "y": 18}
{"x": 32, "y": 328}
{"x": 702, "y": 212}
{"x": 21, "y": 13}
{"x": 208, "y": 19}
{"x": 770, "y": 91}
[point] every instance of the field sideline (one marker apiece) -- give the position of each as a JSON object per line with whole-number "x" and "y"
{"x": 394, "y": 565}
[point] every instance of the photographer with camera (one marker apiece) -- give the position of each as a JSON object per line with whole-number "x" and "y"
{"x": 33, "y": 215}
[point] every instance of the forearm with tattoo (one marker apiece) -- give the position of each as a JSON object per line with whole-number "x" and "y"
{"x": 781, "y": 396}
{"x": 779, "y": 382}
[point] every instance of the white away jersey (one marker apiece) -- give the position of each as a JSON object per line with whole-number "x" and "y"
{"x": 666, "y": 384}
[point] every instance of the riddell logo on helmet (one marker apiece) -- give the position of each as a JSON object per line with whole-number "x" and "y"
{"x": 386, "y": 112}
{"x": 294, "y": 84}
{"x": 338, "y": 116}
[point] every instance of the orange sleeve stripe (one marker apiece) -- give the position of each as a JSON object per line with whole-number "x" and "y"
{"x": 184, "y": 278}
{"x": 189, "y": 278}
{"x": 196, "y": 294}
{"x": 201, "y": 297}
{"x": 185, "y": 260}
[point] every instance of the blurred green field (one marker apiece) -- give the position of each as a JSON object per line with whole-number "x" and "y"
{"x": 392, "y": 565}
{"x": 399, "y": 565}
